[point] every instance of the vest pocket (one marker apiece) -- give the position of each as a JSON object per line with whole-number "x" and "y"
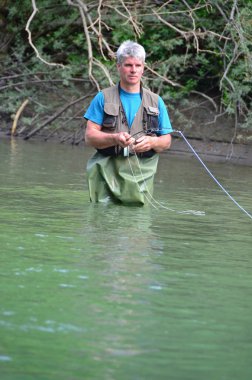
{"x": 110, "y": 118}
{"x": 152, "y": 119}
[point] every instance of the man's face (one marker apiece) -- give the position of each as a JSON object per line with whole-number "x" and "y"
{"x": 131, "y": 71}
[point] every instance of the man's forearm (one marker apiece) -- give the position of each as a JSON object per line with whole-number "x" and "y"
{"x": 162, "y": 143}
{"x": 99, "y": 139}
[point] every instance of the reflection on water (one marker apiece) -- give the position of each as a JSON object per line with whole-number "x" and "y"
{"x": 111, "y": 292}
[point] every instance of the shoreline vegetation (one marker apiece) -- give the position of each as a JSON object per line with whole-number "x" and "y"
{"x": 55, "y": 56}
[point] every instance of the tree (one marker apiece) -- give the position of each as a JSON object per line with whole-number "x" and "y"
{"x": 195, "y": 50}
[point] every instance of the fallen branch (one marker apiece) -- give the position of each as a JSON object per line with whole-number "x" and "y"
{"x": 66, "y": 137}
{"x": 62, "y": 125}
{"x": 57, "y": 114}
{"x": 81, "y": 139}
{"x": 17, "y": 116}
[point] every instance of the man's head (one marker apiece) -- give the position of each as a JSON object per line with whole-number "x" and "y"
{"x": 130, "y": 65}
{"x": 130, "y": 49}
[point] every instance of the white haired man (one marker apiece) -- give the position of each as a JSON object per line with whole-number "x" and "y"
{"x": 128, "y": 125}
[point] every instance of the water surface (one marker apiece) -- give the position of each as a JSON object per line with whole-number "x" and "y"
{"x": 108, "y": 292}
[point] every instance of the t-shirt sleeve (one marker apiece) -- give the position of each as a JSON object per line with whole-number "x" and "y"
{"x": 95, "y": 111}
{"x": 164, "y": 124}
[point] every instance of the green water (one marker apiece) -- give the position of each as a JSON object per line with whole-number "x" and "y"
{"x": 107, "y": 292}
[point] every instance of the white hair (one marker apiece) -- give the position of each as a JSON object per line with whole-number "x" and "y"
{"x": 130, "y": 49}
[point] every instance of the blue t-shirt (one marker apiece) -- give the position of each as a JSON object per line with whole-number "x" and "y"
{"x": 131, "y": 103}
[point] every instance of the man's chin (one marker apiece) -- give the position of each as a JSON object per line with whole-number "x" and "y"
{"x": 133, "y": 81}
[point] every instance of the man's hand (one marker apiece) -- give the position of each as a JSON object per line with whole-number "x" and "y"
{"x": 157, "y": 143}
{"x": 95, "y": 137}
{"x": 124, "y": 139}
{"x": 144, "y": 143}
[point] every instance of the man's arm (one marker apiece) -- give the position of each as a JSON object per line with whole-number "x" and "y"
{"x": 96, "y": 138}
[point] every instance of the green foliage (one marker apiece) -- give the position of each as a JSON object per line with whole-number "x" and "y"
{"x": 200, "y": 46}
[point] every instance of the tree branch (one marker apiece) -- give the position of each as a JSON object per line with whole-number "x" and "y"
{"x": 27, "y": 28}
{"x": 55, "y": 116}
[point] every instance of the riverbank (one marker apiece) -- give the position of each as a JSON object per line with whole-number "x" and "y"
{"x": 214, "y": 137}
{"x": 209, "y": 151}
{"x": 214, "y": 151}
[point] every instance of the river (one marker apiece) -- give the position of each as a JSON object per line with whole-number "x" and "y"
{"x": 108, "y": 292}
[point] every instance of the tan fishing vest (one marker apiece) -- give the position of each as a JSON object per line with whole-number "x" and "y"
{"x": 146, "y": 119}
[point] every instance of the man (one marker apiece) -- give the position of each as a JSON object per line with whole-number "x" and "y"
{"x": 128, "y": 125}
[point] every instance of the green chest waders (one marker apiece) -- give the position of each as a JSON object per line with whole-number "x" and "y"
{"x": 125, "y": 180}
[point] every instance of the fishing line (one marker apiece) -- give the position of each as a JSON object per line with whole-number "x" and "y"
{"x": 151, "y": 196}
{"x": 212, "y": 176}
{"x": 145, "y": 185}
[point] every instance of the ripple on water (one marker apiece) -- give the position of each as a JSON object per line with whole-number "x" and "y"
{"x": 61, "y": 270}
{"x": 49, "y": 326}
{"x": 5, "y": 358}
{"x": 67, "y": 286}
